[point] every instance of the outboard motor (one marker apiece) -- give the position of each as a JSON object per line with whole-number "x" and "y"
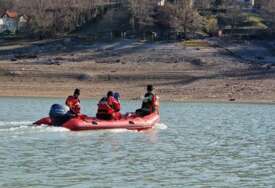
{"x": 59, "y": 114}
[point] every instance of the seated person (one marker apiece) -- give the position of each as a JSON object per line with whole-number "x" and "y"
{"x": 73, "y": 102}
{"x": 108, "y": 108}
{"x": 148, "y": 104}
{"x": 117, "y": 114}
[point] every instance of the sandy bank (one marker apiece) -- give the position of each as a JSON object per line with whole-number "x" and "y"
{"x": 180, "y": 72}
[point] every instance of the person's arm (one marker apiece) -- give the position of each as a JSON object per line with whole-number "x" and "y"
{"x": 109, "y": 101}
{"x": 67, "y": 101}
{"x": 154, "y": 99}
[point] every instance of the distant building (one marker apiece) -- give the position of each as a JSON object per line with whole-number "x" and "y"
{"x": 248, "y": 2}
{"x": 8, "y": 21}
{"x": 161, "y": 3}
{"x": 23, "y": 23}
{"x": 252, "y": 2}
{"x": 1, "y": 25}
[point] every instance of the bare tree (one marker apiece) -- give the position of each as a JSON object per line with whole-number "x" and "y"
{"x": 202, "y": 4}
{"x": 230, "y": 14}
{"x": 142, "y": 13}
{"x": 268, "y": 12}
{"x": 5, "y": 4}
{"x": 182, "y": 17}
{"x": 53, "y": 16}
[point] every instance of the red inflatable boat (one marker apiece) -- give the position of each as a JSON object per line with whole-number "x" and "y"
{"x": 83, "y": 123}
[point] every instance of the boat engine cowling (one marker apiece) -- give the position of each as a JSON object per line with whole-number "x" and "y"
{"x": 59, "y": 114}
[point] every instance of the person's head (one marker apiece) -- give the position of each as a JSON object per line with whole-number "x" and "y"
{"x": 117, "y": 96}
{"x": 110, "y": 94}
{"x": 76, "y": 92}
{"x": 150, "y": 88}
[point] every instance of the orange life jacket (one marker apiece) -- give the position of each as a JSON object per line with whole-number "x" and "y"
{"x": 74, "y": 104}
{"x": 76, "y": 108}
{"x": 104, "y": 108}
{"x": 114, "y": 104}
{"x": 109, "y": 106}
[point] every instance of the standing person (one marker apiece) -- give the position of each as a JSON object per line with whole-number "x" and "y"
{"x": 73, "y": 102}
{"x": 149, "y": 102}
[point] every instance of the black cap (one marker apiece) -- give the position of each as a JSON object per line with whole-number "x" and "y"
{"x": 77, "y": 91}
{"x": 110, "y": 93}
{"x": 150, "y": 88}
{"x": 116, "y": 95}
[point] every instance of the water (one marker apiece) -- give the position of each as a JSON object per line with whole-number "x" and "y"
{"x": 197, "y": 145}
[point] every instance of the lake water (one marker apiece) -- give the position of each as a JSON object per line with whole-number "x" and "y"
{"x": 196, "y": 145}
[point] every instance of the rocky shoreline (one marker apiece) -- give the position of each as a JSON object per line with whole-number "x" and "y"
{"x": 201, "y": 70}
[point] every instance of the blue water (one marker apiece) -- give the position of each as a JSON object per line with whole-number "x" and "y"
{"x": 196, "y": 145}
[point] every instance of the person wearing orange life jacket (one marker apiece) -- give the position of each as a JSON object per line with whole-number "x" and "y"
{"x": 73, "y": 102}
{"x": 108, "y": 108}
{"x": 149, "y": 104}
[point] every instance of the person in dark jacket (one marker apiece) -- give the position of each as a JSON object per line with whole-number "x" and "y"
{"x": 148, "y": 103}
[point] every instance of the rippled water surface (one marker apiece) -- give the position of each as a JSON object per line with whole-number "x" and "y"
{"x": 196, "y": 145}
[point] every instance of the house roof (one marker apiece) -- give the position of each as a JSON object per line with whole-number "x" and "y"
{"x": 11, "y": 14}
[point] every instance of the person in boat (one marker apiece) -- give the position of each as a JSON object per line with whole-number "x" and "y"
{"x": 149, "y": 103}
{"x": 117, "y": 115}
{"x": 117, "y": 96}
{"x": 108, "y": 108}
{"x": 73, "y": 102}
{"x": 59, "y": 114}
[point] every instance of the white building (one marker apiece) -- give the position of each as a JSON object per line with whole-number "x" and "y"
{"x": 249, "y": 2}
{"x": 8, "y": 22}
{"x": 161, "y": 3}
{"x": 1, "y": 25}
{"x": 22, "y": 23}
